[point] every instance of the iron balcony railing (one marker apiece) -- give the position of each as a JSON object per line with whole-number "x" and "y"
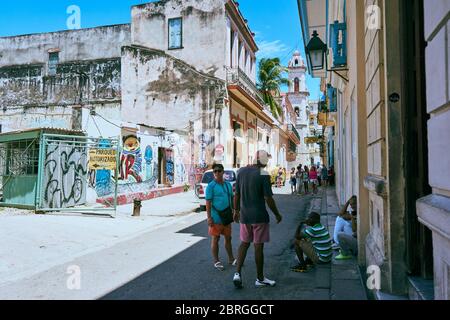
{"x": 238, "y": 77}
{"x": 292, "y": 128}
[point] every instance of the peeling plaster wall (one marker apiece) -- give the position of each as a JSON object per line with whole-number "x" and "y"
{"x": 204, "y": 31}
{"x": 26, "y": 118}
{"x": 88, "y": 73}
{"x": 29, "y": 86}
{"x": 29, "y": 99}
{"x": 163, "y": 92}
{"x": 74, "y": 45}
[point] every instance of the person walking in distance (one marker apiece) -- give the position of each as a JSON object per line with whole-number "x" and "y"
{"x": 299, "y": 178}
{"x": 293, "y": 181}
{"x": 313, "y": 179}
{"x": 324, "y": 173}
{"x": 319, "y": 175}
{"x": 253, "y": 191}
{"x": 306, "y": 178}
{"x": 280, "y": 177}
{"x": 218, "y": 197}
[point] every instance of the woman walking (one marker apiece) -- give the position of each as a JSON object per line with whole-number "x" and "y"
{"x": 293, "y": 181}
{"x": 305, "y": 178}
{"x": 280, "y": 177}
{"x": 219, "y": 195}
{"x": 299, "y": 178}
{"x": 313, "y": 178}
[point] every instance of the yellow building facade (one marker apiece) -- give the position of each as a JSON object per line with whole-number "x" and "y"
{"x": 381, "y": 126}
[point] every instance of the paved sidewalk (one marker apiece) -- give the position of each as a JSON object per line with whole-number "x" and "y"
{"x": 344, "y": 276}
{"x": 35, "y": 243}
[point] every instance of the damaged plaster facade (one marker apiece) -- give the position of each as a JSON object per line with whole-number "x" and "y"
{"x": 172, "y": 107}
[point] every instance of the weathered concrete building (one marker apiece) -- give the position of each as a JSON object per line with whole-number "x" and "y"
{"x": 384, "y": 83}
{"x": 177, "y": 84}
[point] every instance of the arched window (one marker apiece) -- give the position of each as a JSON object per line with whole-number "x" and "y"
{"x": 296, "y": 62}
{"x": 296, "y": 85}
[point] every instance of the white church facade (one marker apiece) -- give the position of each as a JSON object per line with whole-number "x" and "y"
{"x": 298, "y": 96}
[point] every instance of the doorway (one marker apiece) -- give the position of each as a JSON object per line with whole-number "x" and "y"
{"x": 165, "y": 167}
{"x": 419, "y": 247}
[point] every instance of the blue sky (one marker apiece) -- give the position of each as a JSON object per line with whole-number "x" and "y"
{"x": 276, "y": 23}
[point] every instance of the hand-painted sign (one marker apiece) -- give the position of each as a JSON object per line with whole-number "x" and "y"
{"x": 102, "y": 159}
{"x": 312, "y": 140}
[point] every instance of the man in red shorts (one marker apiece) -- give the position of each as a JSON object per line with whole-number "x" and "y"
{"x": 253, "y": 190}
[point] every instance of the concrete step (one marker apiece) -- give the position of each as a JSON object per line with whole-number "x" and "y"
{"x": 420, "y": 289}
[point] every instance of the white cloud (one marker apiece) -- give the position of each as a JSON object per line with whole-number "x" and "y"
{"x": 271, "y": 49}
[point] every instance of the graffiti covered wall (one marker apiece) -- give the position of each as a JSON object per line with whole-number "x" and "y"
{"x": 65, "y": 176}
{"x": 140, "y": 162}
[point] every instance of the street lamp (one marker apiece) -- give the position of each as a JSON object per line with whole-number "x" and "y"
{"x": 316, "y": 51}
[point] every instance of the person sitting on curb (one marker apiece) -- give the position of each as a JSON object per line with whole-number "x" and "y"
{"x": 344, "y": 221}
{"x": 347, "y": 240}
{"x": 312, "y": 240}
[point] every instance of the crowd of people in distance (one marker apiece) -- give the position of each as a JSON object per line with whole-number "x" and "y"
{"x": 310, "y": 178}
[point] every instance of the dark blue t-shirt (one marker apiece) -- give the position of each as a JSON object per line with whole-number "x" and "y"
{"x": 253, "y": 184}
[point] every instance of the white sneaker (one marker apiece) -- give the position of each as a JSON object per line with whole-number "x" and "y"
{"x": 237, "y": 281}
{"x": 265, "y": 283}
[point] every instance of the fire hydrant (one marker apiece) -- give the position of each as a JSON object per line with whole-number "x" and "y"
{"x": 137, "y": 208}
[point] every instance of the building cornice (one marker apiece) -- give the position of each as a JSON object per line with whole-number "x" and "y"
{"x": 238, "y": 19}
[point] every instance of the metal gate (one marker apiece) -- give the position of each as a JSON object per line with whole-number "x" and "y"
{"x": 78, "y": 174}
{"x": 18, "y": 172}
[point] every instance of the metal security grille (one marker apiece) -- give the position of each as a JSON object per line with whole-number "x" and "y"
{"x": 75, "y": 172}
{"x": 18, "y": 159}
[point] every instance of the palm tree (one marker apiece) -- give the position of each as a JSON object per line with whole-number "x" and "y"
{"x": 269, "y": 81}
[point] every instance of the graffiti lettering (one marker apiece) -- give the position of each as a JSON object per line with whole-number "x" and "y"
{"x": 65, "y": 175}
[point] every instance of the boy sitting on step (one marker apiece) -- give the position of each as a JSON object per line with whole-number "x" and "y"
{"x": 313, "y": 240}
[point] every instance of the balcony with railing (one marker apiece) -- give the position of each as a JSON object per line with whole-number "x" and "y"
{"x": 235, "y": 76}
{"x": 291, "y": 128}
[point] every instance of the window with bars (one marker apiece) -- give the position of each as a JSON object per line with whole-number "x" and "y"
{"x": 175, "y": 33}
{"x": 19, "y": 158}
{"x": 53, "y": 60}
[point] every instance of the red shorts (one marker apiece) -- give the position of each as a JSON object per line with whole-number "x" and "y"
{"x": 219, "y": 229}
{"x": 256, "y": 233}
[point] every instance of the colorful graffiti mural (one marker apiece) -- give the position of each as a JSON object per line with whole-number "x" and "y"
{"x": 131, "y": 159}
{"x": 139, "y": 164}
{"x": 169, "y": 166}
{"x": 148, "y": 157}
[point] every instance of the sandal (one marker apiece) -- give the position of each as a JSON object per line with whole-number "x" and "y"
{"x": 234, "y": 263}
{"x": 219, "y": 266}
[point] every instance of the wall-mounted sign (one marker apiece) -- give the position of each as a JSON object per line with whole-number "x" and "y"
{"x": 102, "y": 159}
{"x": 312, "y": 140}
